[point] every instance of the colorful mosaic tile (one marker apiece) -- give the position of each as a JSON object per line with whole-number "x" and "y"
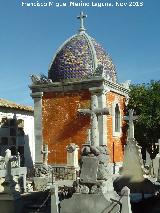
{"x": 75, "y": 60}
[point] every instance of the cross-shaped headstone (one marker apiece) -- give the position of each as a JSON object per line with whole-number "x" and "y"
{"x": 94, "y": 112}
{"x": 131, "y": 118}
{"x": 81, "y": 17}
{"x": 45, "y": 153}
{"x": 9, "y": 184}
{"x": 8, "y": 159}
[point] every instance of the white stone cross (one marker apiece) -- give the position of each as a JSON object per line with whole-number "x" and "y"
{"x": 81, "y": 17}
{"x": 8, "y": 159}
{"x": 88, "y": 137}
{"x": 45, "y": 153}
{"x": 94, "y": 112}
{"x": 131, "y": 118}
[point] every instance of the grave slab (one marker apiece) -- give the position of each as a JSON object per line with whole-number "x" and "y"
{"x": 89, "y": 203}
{"x": 89, "y": 170}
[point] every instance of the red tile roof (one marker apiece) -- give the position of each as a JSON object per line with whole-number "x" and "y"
{"x": 10, "y": 104}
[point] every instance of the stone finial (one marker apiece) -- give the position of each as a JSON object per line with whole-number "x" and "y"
{"x": 40, "y": 79}
{"x": 71, "y": 147}
{"x": 126, "y": 84}
{"x": 7, "y": 155}
{"x": 100, "y": 72}
{"x": 81, "y": 17}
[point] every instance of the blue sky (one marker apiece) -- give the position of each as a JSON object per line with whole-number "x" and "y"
{"x": 29, "y": 37}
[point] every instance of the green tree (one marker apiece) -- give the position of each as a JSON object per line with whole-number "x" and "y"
{"x": 145, "y": 100}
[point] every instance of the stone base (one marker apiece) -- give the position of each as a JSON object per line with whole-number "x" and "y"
{"x": 8, "y": 204}
{"x": 40, "y": 183}
{"x": 89, "y": 203}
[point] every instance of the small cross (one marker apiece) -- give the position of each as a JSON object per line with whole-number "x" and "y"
{"x": 8, "y": 159}
{"x": 81, "y": 17}
{"x": 131, "y": 118}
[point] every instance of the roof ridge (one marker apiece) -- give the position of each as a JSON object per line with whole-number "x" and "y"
{"x": 10, "y": 104}
{"x": 93, "y": 51}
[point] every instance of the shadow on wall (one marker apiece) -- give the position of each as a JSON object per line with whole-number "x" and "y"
{"x": 124, "y": 135}
{"x": 73, "y": 127}
{"x": 27, "y": 154}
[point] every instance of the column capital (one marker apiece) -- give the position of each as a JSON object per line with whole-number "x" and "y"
{"x": 100, "y": 90}
{"x": 94, "y": 90}
{"x": 36, "y": 95}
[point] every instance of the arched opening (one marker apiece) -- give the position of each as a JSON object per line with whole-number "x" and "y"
{"x": 117, "y": 119}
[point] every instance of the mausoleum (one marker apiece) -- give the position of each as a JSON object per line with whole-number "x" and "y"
{"x": 80, "y": 101}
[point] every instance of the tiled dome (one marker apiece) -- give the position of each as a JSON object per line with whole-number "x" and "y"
{"x": 78, "y": 59}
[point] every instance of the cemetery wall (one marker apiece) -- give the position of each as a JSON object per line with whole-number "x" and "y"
{"x": 16, "y": 133}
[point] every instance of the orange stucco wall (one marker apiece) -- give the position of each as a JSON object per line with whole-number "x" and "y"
{"x": 116, "y": 143}
{"x": 62, "y": 124}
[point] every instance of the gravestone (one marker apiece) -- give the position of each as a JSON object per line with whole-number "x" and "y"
{"x": 95, "y": 188}
{"x": 133, "y": 173}
{"x": 89, "y": 170}
{"x": 132, "y": 163}
{"x": 43, "y": 171}
{"x": 10, "y": 199}
{"x": 72, "y": 155}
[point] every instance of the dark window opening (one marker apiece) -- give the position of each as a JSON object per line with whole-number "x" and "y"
{"x": 13, "y": 141}
{"x": 12, "y": 132}
{"x": 117, "y": 119}
{"x": 4, "y": 141}
{"x": 12, "y": 122}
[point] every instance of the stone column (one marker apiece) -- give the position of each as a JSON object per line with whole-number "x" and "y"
{"x": 94, "y": 119}
{"x": 102, "y": 119}
{"x": 37, "y": 97}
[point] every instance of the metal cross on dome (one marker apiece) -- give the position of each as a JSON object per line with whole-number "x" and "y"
{"x": 81, "y": 17}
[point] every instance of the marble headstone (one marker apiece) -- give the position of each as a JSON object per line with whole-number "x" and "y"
{"x": 89, "y": 170}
